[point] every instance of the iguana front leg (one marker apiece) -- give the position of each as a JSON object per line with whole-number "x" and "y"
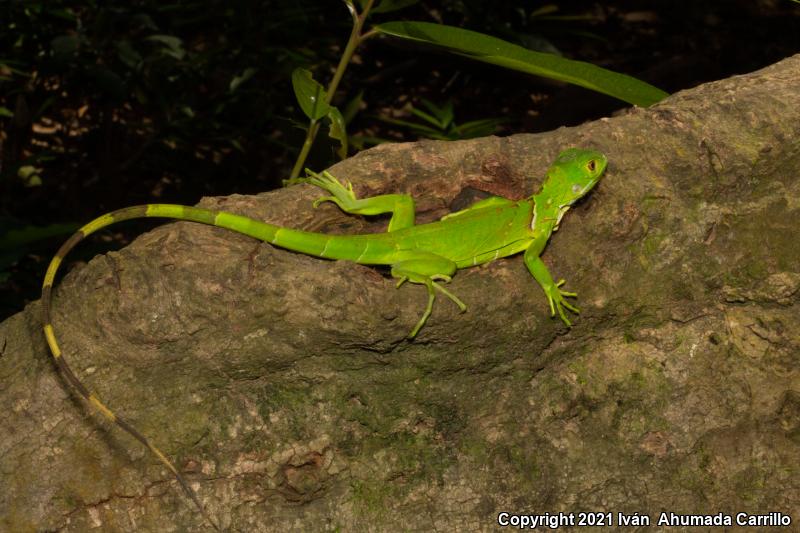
{"x": 555, "y": 296}
{"x": 401, "y": 206}
{"x": 426, "y": 268}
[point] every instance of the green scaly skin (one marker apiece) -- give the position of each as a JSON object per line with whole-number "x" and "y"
{"x": 427, "y": 254}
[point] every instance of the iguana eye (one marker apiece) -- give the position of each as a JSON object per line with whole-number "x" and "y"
{"x": 591, "y": 165}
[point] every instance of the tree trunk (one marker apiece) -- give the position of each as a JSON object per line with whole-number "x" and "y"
{"x": 285, "y": 390}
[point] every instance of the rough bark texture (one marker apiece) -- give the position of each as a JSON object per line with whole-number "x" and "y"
{"x": 283, "y": 387}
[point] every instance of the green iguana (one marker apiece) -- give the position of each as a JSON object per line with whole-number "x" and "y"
{"x": 427, "y": 254}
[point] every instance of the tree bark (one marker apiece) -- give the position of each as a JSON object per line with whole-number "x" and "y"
{"x": 283, "y": 386}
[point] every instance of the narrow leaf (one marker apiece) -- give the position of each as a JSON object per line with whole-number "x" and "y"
{"x": 352, "y": 107}
{"x": 502, "y": 53}
{"x": 15, "y": 238}
{"x": 479, "y": 128}
{"x": 310, "y": 94}
{"x": 427, "y": 118}
{"x": 444, "y": 113}
{"x": 419, "y": 129}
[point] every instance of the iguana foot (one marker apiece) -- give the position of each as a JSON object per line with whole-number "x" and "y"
{"x": 343, "y": 194}
{"x": 431, "y": 286}
{"x": 426, "y": 269}
{"x": 555, "y": 296}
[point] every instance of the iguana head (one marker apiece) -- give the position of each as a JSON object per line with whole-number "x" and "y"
{"x": 573, "y": 174}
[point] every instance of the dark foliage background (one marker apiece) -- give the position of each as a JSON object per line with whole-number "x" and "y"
{"x": 104, "y": 105}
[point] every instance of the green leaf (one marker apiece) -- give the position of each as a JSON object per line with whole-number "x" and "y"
{"x": 338, "y": 131}
{"x": 29, "y": 175}
{"x": 502, "y": 53}
{"x": 241, "y": 78}
{"x": 546, "y": 9}
{"x": 392, "y": 5}
{"x": 444, "y": 115}
{"x": 144, "y": 21}
{"x": 426, "y": 117}
{"x": 310, "y": 94}
{"x": 430, "y": 119}
{"x": 419, "y": 129}
{"x": 15, "y": 238}
{"x": 173, "y": 46}
{"x": 352, "y": 107}
{"x": 6, "y": 112}
{"x": 128, "y": 54}
{"x": 479, "y": 128}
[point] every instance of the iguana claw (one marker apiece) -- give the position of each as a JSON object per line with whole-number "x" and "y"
{"x": 555, "y": 296}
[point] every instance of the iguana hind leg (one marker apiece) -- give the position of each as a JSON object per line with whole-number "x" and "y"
{"x": 426, "y": 269}
{"x": 401, "y": 206}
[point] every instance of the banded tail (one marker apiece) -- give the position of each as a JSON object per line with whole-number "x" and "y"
{"x": 300, "y": 241}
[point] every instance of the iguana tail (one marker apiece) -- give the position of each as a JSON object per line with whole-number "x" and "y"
{"x": 61, "y": 362}
{"x": 254, "y": 228}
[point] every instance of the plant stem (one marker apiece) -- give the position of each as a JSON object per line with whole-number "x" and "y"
{"x": 352, "y": 43}
{"x": 301, "y": 157}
